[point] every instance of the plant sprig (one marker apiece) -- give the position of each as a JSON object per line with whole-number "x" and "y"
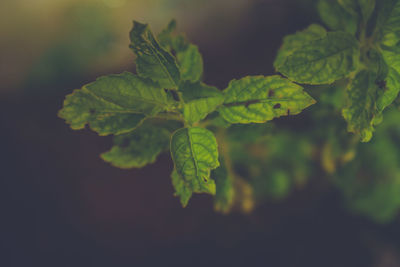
{"x": 168, "y": 86}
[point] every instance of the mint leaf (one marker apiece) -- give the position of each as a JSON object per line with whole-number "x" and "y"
{"x": 350, "y": 6}
{"x": 188, "y": 55}
{"x": 335, "y": 17}
{"x": 295, "y": 41}
{"x": 322, "y": 61}
{"x": 259, "y": 99}
{"x": 190, "y": 63}
{"x": 361, "y": 109}
{"x": 138, "y": 148}
{"x": 153, "y": 61}
{"x": 194, "y": 152}
{"x": 367, "y": 8}
{"x": 356, "y": 7}
{"x": 114, "y": 104}
{"x": 199, "y": 100}
{"x": 388, "y": 24}
{"x": 390, "y": 88}
{"x": 225, "y": 193}
{"x": 165, "y": 36}
{"x": 182, "y": 188}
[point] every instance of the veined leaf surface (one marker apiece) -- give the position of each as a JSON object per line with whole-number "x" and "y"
{"x": 188, "y": 55}
{"x": 361, "y": 109}
{"x": 259, "y": 99}
{"x": 200, "y": 100}
{"x": 322, "y": 61}
{"x": 114, "y": 104}
{"x": 335, "y": 17}
{"x": 296, "y": 41}
{"x": 138, "y": 148}
{"x": 195, "y": 153}
{"x": 153, "y": 61}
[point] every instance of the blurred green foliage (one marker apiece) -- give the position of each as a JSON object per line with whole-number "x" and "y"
{"x": 86, "y": 37}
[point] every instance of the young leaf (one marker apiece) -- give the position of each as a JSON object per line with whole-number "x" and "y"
{"x": 387, "y": 66}
{"x": 388, "y": 24}
{"x": 195, "y": 153}
{"x": 335, "y": 17}
{"x": 188, "y": 55}
{"x": 259, "y": 99}
{"x": 390, "y": 88}
{"x": 367, "y": 8}
{"x": 190, "y": 63}
{"x": 224, "y": 197}
{"x": 322, "y": 61}
{"x": 153, "y": 61}
{"x": 200, "y": 100}
{"x": 114, "y": 104}
{"x": 182, "y": 188}
{"x": 354, "y": 7}
{"x": 361, "y": 109}
{"x": 295, "y": 41}
{"x": 138, "y": 148}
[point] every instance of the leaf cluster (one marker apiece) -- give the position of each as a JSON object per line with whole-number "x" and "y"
{"x": 166, "y": 106}
{"x": 219, "y": 140}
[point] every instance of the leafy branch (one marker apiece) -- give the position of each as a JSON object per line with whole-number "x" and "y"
{"x": 169, "y": 87}
{"x": 219, "y": 140}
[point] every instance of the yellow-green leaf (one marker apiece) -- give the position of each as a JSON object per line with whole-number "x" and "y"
{"x": 335, "y": 17}
{"x": 200, "y": 100}
{"x": 138, "y": 148}
{"x": 361, "y": 109}
{"x": 153, "y": 61}
{"x": 188, "y": 55}
{"x": 322, "y": 61}
{"x": 195, "y": 153}
{"x": 295, "y": 41}
{"x": 259, "y": 99}
{"x": 114, "y": 104}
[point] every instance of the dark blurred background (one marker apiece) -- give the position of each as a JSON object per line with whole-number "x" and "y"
{"x": 63, "y": 206}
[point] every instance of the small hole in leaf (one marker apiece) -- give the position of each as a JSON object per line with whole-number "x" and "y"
{"x": 271, "y": 93}
{"x": 381, "y": 84}
{"x": 277, "y": 106}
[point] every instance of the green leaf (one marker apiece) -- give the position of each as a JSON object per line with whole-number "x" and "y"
{"x": 200, "y": 100}
{"x": 335, "y": 17}
{"x": 259, "y": 99}
{"x": 392, "y": 58}
{"x": 138, "y": 148}
{"x": 350, "y": 6}
{"x": 354, "y": 7}
{"x": 388, "y": 23}
{"x": 295, "y": 41}
{"x": 391, "y": 89}
{"x": 183, "y": 189}
{"x": 224, "y": 197}
{"x": 153, "y": 61}
{"x": 195, "y": 153}
{"x": 190, "y": 63}
{"x": 388, "y": 77}
{"x": 114, "y": 104}
{"x": 361, "y": 109}
{"x": 367, "y": 8}
{"x": 322, "y": 61}
{"x": 188, "y": 55}
{"x": 165, "y": 36}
